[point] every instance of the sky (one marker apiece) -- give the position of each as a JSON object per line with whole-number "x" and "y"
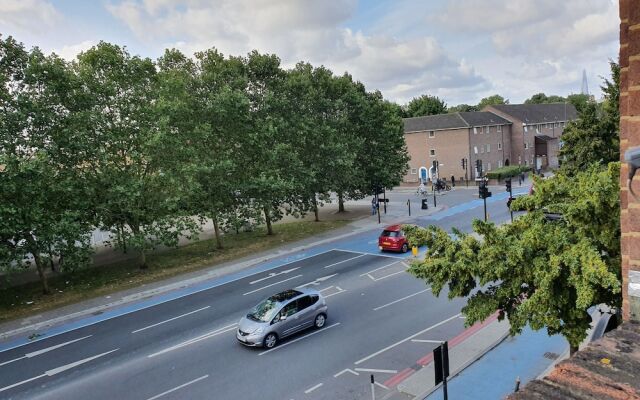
{"x": 458, "y": 50}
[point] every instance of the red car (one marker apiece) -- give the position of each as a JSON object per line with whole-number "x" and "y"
{"x": 393, "y": 239}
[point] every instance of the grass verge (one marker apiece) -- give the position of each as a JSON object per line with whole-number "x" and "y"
{"x": 25, "y": 300}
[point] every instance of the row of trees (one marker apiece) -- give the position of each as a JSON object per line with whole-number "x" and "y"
{"x": 141, "y": 147}
{"x": 432, "y": 105}
{"x": 538, "y": 271}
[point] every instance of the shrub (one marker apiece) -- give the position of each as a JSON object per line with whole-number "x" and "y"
{"x": 507, "y": 172}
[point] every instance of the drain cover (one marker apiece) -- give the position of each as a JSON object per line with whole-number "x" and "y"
{"x": 551, "y": 356}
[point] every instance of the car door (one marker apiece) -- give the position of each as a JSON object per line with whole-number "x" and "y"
{"x": 306, "y": 313}
{"x": 289, "y": 325}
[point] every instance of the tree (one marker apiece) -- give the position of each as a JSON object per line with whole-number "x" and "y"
{"x": 534, "y": 271}
{"x": 462, "y": 108}
{"x": 579, "y": 101}
{"x": 492, "y": 100}
{"x": 541, "y": 98}
{"x": 425, "y": 105}
{"x": 44, "y": 210}
{"x": 594, "y": 137}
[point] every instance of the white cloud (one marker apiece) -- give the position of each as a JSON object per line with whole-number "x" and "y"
{"x": 28, "y": 16}
{"x": 69, "y": 52}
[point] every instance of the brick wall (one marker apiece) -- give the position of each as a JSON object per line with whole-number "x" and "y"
{"x": 630, "y": 137}
{"x": 450, "y": 145}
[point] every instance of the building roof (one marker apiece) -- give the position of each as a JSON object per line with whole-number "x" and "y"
{"x": 453, "y": 121}
{"x": 539, "y": 113}
{"x": 605, "y": 369}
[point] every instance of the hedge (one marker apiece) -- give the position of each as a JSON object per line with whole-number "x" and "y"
{"x": 507, "y": 172}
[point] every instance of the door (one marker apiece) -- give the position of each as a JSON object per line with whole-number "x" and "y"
{"x": 306, "y": 313}
{"x": 290, "y": 324}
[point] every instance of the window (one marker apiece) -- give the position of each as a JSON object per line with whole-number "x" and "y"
{"x": 390, "y": 234}
{"x": 486, "y": 129}
{"x": 488, "y": 148}
{"x": 499, "y": 163}
{"x": 414, "y": 171}
{"x": 488, "y": 166}
{"x": 499, "y": 145}
{"x": 289, "y": 309}
{"x": 538, "y": 128}
{"x": 526, "y": 162}
{"x": 475, "y": 130}
{"x": 432, "y": 152}
{"x": 481, "y": 149}
{"x": 499, "y": 128}
{"x": 526, "y": 145}
{"x": 557, "y": 125}
{"x": 475, "y": 149}
{"x": 304, "y": 302}
{"x": 525, "y": 129}
{"x": 519, "y": 160}
{"x": 432, "y": 134}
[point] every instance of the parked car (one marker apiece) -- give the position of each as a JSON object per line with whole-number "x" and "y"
{"x": 282, "y": 315}
{"x": 393, "y": 238}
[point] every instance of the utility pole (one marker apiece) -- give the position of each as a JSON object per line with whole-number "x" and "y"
{"x": 465, "y": 166}
{"x": 508, "y": 183}
{"x": 483, "y": 190}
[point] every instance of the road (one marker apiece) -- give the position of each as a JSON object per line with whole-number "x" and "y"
{"x": 382, "y": 321}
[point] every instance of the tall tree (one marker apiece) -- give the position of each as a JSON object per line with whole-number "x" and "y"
{"x": 492, "y": 100}
{"x": 534, "y": 271}
{"x": 424, "y": 105}
{"x": 580, "y": 101}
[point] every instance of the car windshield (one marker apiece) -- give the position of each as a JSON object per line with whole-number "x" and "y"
{"x": 390, "y": 233}
{"x": 267, "y": 309}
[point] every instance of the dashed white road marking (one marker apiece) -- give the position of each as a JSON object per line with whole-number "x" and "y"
{"x": 196, "y": 339}
{"x": 48, "y": 349}
{"x": 427, "y": 341}
{"x": 178, "y": 387}
{"x": 382, "y": 371}
{"x": 377, "y": 269}
{"x": 348, "y": 259}
{"x": 399, "y": 300}
{"x": 273, "y": 284}
{"x": 345, "y": 371}
{"x": 169, "y": 320}
{"x": 273, "y": 274}
{"x": 317, "y": 281}
{"x": 311, "y": 389}
{"x": 370, "y": 254}
{"x": 298, "y": 339}
{"x": 407, "y": 339}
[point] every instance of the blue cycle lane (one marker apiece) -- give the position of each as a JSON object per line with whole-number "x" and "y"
{"x": 365, "y": 242}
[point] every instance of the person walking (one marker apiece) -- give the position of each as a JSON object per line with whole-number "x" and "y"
{"x": 374, "y": 206}
{"x": 453, "y": 181}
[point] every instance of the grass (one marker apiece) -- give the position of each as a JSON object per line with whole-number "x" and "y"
{"x": 25, "y": 300}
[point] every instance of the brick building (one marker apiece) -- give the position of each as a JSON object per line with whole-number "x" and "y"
{"x": 630, "y": 137}
{"x": 448, "y": 138}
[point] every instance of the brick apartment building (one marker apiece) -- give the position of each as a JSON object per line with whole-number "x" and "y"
{"x": 514, "y": 134}
{"x": 448, "y": 138}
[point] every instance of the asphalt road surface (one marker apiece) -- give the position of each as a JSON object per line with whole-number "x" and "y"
{"x": 382, "y": 321}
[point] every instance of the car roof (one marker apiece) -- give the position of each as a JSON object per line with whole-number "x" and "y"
{"x": 396, "y": 227}
{"x": 285, "y": 295}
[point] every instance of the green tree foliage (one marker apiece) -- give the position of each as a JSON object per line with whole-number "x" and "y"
{"x": 462, "y": 108}
{"x": 580, "y": 101}
{"x": 541, "y": 98}
{"x": 594, "y": 137}
{"x": 536, "y": 272}
{"x": 491, "y": 100}
{"x": 425, "y": 105}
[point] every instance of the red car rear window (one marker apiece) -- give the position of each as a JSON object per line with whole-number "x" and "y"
{"x": 390, "y": 234}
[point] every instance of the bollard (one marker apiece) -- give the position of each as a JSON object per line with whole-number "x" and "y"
{"x": 517, "y": 384}
{"x": 373, "y": 389}
{"x": 414, "y": 251}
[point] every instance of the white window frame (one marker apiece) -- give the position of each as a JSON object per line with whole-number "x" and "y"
{"x": 499, "y": 128}
{"x": 482, "y": 149}
{"x": 488, "y": 166}
{"x": 475, "y": 130}
{"x": 475, "y": 149}
{"x": 499, "y": 163}
{"x": 432, "y": 134}
{"x": 432, "y": 152}
{"x": 487, "y": 130}
{"x": 499, "y": 145}
{"x": 525, "y": 129}
{"x": 526, "y": 145}
{"x": 414, "y": 171}
{"x": 526, "y": 163}
{"x": 488, "y": 148}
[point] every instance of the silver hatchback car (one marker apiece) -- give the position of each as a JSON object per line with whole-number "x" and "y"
{"x": 281, "y": 315}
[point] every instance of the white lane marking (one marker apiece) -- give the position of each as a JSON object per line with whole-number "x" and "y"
{"x": 298, "y": 339}
{"x": 272, "y": 274}
{"x": 406, "y": 265}
{"x": 196, "y": 339}
{"x": 345, "y": 371}
{"x": 399, "y": 300}
{"x": 348, "y": 259}
{"x": 22, "y": 382}
{"x": 178, "y": 387}
{"x": 384, "y": 371}
{"x": 387, "y": 276}
{"x": 311, "y": 389}
{"x": 273, "y": 284}
{"x": 377, "y": 269}
{"x": 340, "y": 290}
{"x": 317, "y": 281}
{"x": 58, "y": 370}
{"x": 407, "y": 339}
{"x": 169, "y": 320}
{"x": 370, "y": 254}
{"x": 380, "y": 384}
{"x": 427, "y": 341}
{"x": 48, "y": 349}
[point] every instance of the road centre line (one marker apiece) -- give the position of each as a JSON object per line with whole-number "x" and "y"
{"x": 311, "y": 389}
{"x": 178, "y": 387}
{"x": 58, "y": 370}
{"x": 377, "y": 269}
{"x": 317, "y": 281}
{"x": 344, "y": 371}
{"x": 427, "y": 341}
{"x": 407, "y": 339}
{"x": 273, "y": 274}
{"x": 48, "y": 349}
{"x": 196, "y": 339}
{"x": 169, "y": 320}
{"x": 348, "y": 259}
{"x": 384, "y": 371}
{"x": 298, "y": 339}
{"x": 399, "y": 300}
{"x": 273, "y": 284}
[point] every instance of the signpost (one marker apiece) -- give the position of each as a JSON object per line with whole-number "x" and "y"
{"x": 441, "y": 365}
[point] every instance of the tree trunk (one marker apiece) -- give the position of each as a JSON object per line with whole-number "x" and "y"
{"x": 267, "y": 218}
{"x": 217, "y": 232}
{"x": 315, "y": 208}
{"x": 340, "y": 202}
{"x": 43, "y": 277}
{"x": 572, "y": 349}
{"x": 143, "y": 259}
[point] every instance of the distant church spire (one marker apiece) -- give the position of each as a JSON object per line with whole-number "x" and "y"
{"x": 585, "y": 86}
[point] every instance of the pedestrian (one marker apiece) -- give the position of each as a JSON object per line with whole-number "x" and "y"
{"x": 453, "y": 181}
{"x": 374, "y": 206}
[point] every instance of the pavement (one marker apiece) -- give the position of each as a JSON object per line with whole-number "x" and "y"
{"x": 176, "y": 339}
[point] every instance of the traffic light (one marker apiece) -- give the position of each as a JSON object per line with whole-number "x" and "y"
{"x": 463, "y": 163}
{"x": 479, "y": 167}
{"x": 483, "y": 191}
{"x": 508, "y": 183}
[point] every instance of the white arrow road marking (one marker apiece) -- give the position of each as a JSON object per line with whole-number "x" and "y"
{"x": 58, "y": 370}
{"x": 317, "y": 281}
{"x": 384, "y": 371}
{"x": 48, "y": 349}
{"x": 344, "y": 371}
{"x": 169, "y": 320}
{"x": 196, "y": 339}
{"x": 273, "y": 284}
{"x": 272, "y": 274}
{"x": 178, "y": 387}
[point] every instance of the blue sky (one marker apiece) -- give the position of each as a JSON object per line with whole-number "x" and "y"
{"x": 458, "y": 50}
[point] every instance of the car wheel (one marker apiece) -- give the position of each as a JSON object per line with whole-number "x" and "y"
{"x": 270, "y": 341}
{"x": 321, "y": 319}
{"x": 405, "y": 248}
